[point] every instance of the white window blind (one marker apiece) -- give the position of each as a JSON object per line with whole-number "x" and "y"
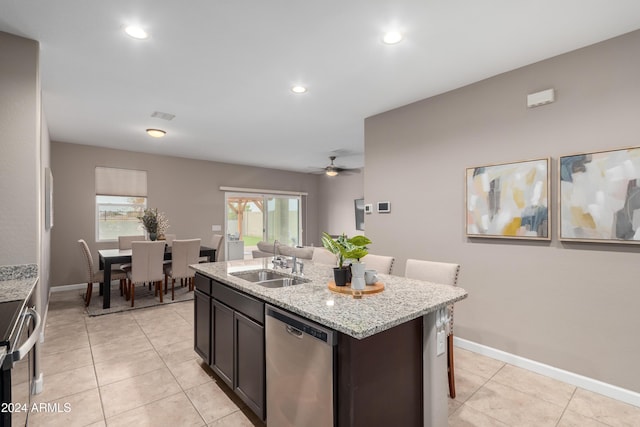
{"x": 121, "y": 182}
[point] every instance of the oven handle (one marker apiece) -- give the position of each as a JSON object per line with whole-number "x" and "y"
{"x": 19, "y": 354}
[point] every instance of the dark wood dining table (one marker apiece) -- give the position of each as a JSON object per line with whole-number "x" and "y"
{"x": 109, "y": 257}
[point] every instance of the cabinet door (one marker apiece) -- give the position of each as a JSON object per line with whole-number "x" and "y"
{"x": 222, "y": 341}
{"x": 250, "y": 370}
{"x": 202, "y": 326}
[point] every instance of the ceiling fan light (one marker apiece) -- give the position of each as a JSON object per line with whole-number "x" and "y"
{"x": 136, "y": 32}
{"x": 331, "y": 172}
{"x": 392, "y": 37}
{"x": 156, "y": 133}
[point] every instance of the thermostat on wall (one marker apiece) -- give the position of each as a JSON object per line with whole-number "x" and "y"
{"x": 368, "y": 208}
{"x": 384, "y": 207}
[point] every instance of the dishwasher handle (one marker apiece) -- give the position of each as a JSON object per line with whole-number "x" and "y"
{"x": 21, "y": 352}
{"x": 298, "y": 326}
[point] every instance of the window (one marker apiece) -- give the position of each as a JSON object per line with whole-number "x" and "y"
{"x": 118, "y": 216}
{"x": 121, "y": 197}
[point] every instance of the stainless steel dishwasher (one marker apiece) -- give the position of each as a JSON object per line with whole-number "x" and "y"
{"x": 300, "y": 358}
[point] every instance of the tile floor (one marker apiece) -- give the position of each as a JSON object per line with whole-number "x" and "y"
{"x": 156, "y": 379}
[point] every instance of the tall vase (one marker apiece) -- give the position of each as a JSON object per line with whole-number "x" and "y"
{"x": 357, "y": 276}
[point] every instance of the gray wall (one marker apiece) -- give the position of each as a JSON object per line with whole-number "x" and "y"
{"x": 19, "y": 150}
{"x": 336, "y": 213}
{"x": 187, "y": 191}
{"x": 572, "y": 306}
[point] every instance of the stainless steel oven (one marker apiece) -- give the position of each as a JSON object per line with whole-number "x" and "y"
{"x": 21, "y": 327}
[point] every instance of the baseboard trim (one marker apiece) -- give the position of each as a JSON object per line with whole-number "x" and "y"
{"x": 609, "y": 390}
{"x": 67, "y": 287}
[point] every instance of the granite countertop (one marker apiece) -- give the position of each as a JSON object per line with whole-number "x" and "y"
{"x": 402, "y": 300}
{"x": 17, "y": 281}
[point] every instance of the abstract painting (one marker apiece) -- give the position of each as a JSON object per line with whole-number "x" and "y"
{"x": 509, "y": 200}
{"x": 600, "y": 196}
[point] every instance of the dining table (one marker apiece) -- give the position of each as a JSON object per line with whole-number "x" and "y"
{"x": 109, "y": 257}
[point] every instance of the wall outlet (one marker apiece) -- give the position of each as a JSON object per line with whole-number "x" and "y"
{"x": 440, "y": 347}
{"x": 216, "y": 228}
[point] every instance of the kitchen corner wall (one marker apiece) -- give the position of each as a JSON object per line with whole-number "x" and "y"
{"x": 569, "y": 305}
{"x": 186, "y": 190}
{"x": 19, "y": 150}
{"x": 336, "y": 213}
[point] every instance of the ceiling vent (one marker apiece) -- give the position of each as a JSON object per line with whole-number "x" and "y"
{"x": 163, "y": 116}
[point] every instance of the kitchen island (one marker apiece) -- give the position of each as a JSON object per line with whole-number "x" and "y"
{"x": 388, "y": 371}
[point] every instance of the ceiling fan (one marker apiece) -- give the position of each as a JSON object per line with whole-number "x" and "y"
{"x": 333, "y": 170}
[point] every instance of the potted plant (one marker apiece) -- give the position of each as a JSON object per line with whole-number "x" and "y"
{"x": 345, "y": 248}
{"x": 154, "y": 222}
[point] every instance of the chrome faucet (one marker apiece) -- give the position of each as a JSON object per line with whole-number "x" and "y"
{"x": 277, "y": 260}
{"x": 296, "y": 263}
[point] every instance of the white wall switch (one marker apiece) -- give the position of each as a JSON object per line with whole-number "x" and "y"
{"x": 440, "y": 337}
{"x": 216, "y": 228}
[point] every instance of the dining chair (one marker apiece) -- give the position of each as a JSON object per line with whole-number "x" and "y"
{"x": 169, "y": 238}
{"x": 124, "y": 242}
{"x": 323, "y": 256}
{"x": 382, "y": 264}
{"x": 146, "y": 266}
{"x": 216, "y": 243}
{"x": 97, "y": 276}
{"x": 443, "y": 273}
{"x": 183, "y": 254}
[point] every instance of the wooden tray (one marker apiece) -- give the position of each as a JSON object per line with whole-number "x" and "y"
{"x": 368, "y": 289}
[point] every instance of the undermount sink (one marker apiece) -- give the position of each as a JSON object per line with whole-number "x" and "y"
{"x": 269, "y": 278}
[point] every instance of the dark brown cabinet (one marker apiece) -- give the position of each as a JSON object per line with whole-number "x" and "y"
{"x": 233, "y": 324}
{"x": 222, "y": 337}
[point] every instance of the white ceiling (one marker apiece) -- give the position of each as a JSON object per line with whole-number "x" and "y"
{"x": 225, "y": 67}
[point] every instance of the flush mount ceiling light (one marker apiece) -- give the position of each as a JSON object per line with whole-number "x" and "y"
{"x": 156, "y": 133}
{"x": 136, "y": 32}
{"x": 392, "y": 37}
{"x": 298, "y": 89}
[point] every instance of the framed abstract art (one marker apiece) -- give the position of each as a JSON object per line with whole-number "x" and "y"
{"x": 509, "y": 200}
{"x": 599, "y": 196}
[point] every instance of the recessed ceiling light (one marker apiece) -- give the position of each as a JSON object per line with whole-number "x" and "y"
{"x": 392, "y": 37}
{"x": 136, "y": 32}
{"x": 156, "y": 133}
{"x": 298, "y": 89}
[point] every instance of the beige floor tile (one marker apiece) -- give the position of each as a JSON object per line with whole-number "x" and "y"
{"x": 543, "y": 387}
{"x": 158, "y": 326}
{"x": 109, "y": 322}
{"x": 54, "y": 331}
{"x": 161, "y": 338}
{"x": 66, "y": 383}
{"x": 238, "y": 418}
{"x": 65, "y": 343}
{"x": 476, "y": 363}
{"x": 115, "y": 334}
{"x": 127, "y": 366}
{"x": 212, "y": 402}
{"x": 110, "y": 351}
{"x": 177, "y": 352}
{"x": 453, "y": 406}
{"x": 191, "y": 373}
{"x": 80, "y": 409}
{"x": 53, "y": 363}
{"x": 466, "y": 416}
{"x": 467, "y": 383}
{"x": 514, "y": 407}
{"x": 573, "y": 419}
{"x": 132, "y": 393}
{"x": 174, "y": 410}
{"x": 604, "y": 409}
{"x": 98, "y": 424}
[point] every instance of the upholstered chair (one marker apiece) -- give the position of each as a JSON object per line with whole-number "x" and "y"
{"x": 169, "y": 238}
{"x": 323, "y": 256}
{"x": 124, "y": 242}
{"x": 146, "y": 266}
{"x": 382, "y": 264}
{"x": 216, "y": 243}
{"x": 183, "y": 254}
{"x": 443, "y": 273}
{"x": 97, "y": 276}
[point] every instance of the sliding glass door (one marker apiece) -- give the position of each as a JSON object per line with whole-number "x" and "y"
{"x": 261, "y": 217}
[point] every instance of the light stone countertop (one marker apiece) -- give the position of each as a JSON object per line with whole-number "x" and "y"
{"x": 402, "y": 300}
{"x": 17, "y": 281}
